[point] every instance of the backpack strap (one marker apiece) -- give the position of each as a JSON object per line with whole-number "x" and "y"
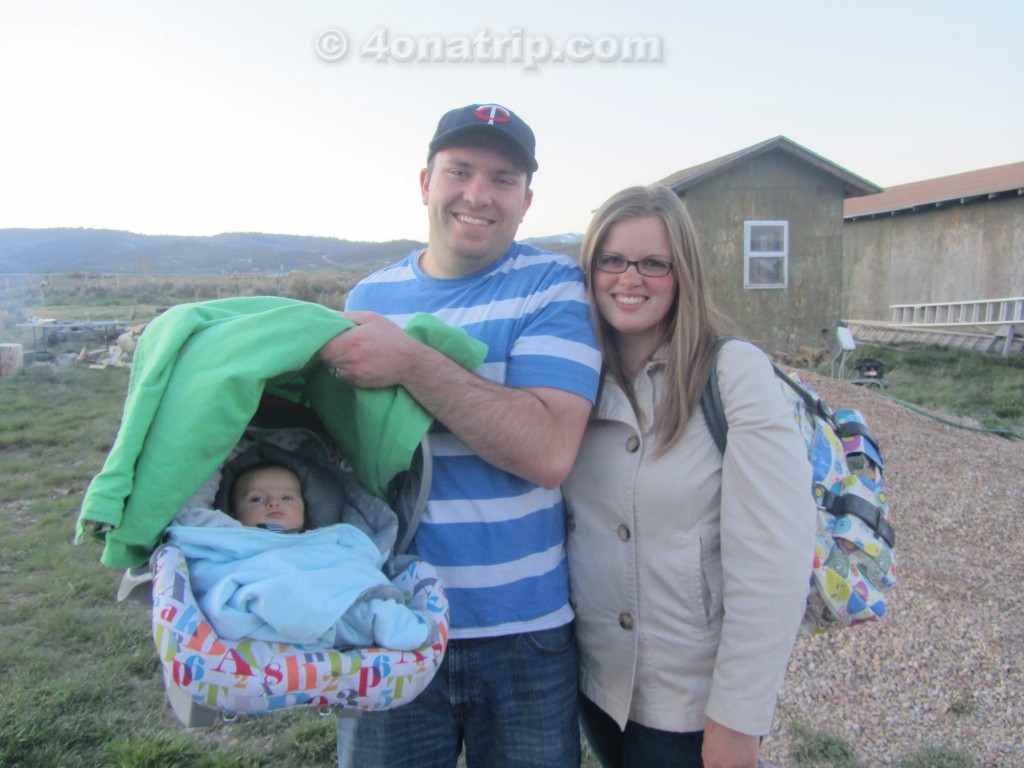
{"x": 711, "y": 401}
{"x": 849, "y": 429}
{"x": 848, "y": 504}
{"x": 814, "y": 404}
{"x": 714, "y": 410}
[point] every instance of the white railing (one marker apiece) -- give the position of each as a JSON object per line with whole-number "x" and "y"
{"x": 986, "y": 312}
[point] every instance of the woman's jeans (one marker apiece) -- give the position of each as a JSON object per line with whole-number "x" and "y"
{"x": 638, "y": 746}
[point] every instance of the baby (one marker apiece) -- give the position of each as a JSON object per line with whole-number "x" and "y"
{"x": 325, "y": 588}
{"x": 269, "y": 496}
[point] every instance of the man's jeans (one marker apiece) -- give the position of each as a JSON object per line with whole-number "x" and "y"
{"x": 511, "y": 700}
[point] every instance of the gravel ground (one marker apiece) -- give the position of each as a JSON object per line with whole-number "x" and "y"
{"x": 946, "y": 668}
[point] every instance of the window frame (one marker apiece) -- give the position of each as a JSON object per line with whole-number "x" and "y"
{"x": 751, "y": 256}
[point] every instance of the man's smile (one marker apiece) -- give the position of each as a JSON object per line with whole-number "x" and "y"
{"x": 474, "y": 220}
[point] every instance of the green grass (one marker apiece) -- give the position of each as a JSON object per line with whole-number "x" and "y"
{"x": 963, "y": 706}
{"x": 80, "y": 679}
{"x": 937, "y": 757}
{"x": 948, "y": 382}
{"x": 817, "y": 749}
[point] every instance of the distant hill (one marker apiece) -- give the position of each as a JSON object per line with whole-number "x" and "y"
{"x": 45, "y": 251}
{"x": 569, "y": 243}
{"x": 36, "y": 251}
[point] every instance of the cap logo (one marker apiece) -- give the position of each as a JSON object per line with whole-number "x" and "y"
{"x": 492, "y": 113}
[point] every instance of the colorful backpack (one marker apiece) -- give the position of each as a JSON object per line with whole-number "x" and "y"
{"x": 854, "y": 557}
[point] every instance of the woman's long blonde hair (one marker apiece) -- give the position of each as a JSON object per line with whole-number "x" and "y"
{"x": 693, "y": 325}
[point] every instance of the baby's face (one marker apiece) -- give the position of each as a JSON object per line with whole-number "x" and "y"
{"x": 271, "y": 495}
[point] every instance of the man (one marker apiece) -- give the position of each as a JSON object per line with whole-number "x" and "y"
{"x": 505, "y": 438}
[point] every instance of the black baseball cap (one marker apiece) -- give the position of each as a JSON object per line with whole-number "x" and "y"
{"x": 490, "y": 121}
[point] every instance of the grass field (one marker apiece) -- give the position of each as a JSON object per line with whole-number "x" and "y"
{"x": 80, "y": 678}
{"x": 986, "y": 389}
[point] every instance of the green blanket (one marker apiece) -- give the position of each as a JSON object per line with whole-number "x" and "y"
{"x": 197, "y": 378}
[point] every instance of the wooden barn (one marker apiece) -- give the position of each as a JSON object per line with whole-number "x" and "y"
{"x": 943, "y": 253}
{"x": 770, "y": 223}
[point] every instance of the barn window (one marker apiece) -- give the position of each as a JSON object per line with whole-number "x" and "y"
{"x": 765, "y": 254}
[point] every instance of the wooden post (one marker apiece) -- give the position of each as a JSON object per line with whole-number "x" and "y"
{"x": 11, "y": 360}
{"x": 1007, "y": 332}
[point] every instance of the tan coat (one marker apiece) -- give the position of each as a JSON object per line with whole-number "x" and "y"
{"x": 689, "y": 575}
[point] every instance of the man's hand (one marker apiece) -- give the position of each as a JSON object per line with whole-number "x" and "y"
{"x": 726, "y": 748}
{"x": 376, "y": 353}
{"x": 531, "y": 432}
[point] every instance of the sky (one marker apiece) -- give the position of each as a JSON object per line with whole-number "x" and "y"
{"x": 197, "y": 117}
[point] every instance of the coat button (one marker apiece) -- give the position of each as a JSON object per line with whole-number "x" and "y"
{"x": 632, "y": 444}
{"x": 570, "y": 522}
{"x": 624, "y": 532}
{"x": 626, "y": 621}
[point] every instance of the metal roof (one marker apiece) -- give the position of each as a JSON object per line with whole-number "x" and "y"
{"x": 853, "y": 185}
{"x": 932, "y": 193}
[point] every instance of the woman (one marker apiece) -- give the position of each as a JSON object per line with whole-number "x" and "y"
{"x": 689, "y": 570}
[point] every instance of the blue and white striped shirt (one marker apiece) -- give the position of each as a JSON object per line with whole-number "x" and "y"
{"x": 497, "y": 540}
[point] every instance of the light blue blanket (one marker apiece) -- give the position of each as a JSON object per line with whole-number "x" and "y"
{"x": 321, "y": 588}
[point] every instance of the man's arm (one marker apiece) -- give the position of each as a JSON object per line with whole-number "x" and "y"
{"x": 531, "y": 432}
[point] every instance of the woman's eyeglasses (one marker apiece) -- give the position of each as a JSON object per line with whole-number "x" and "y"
{"x": 616, "y": 265}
